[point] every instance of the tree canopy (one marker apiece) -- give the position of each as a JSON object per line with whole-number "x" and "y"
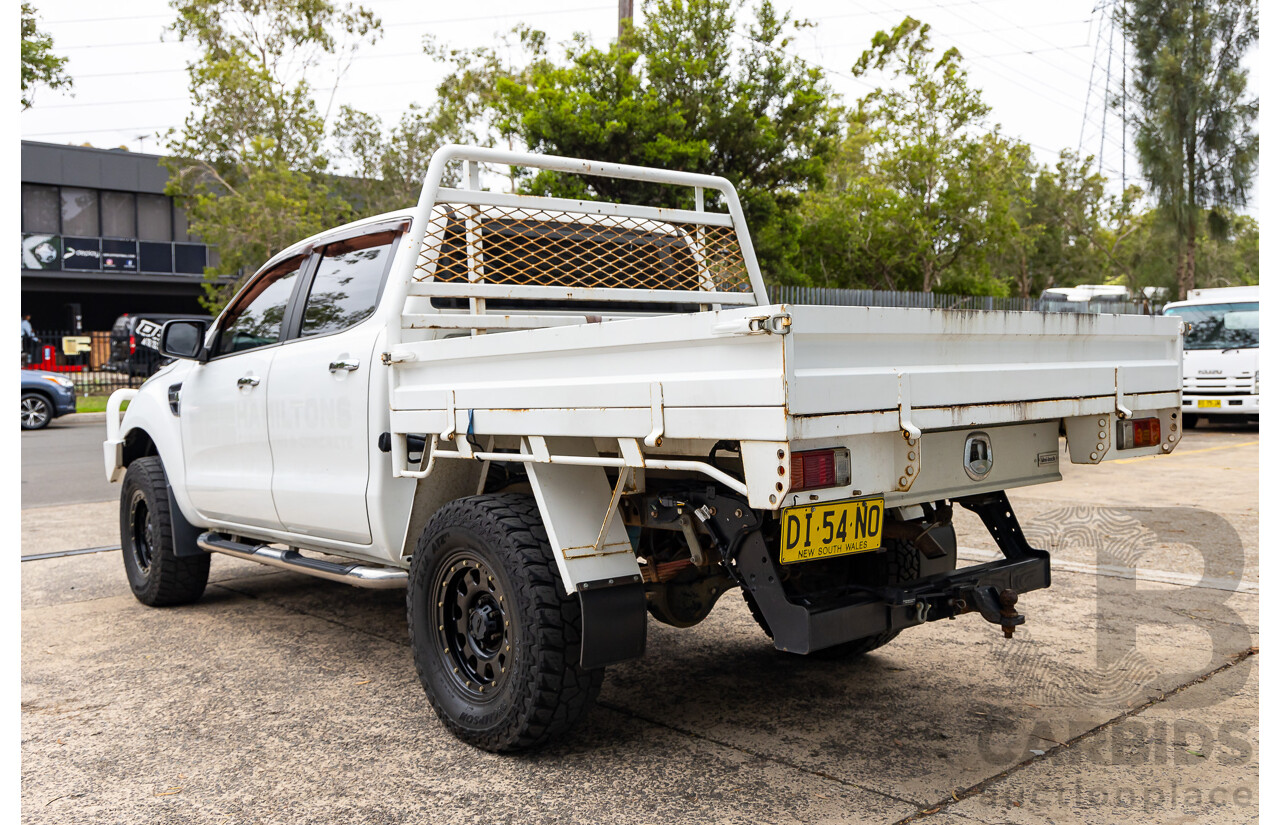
{"x": 1194, "y": 120}
{"x": 40, "y": 66}
{"x": 912, "y": 186}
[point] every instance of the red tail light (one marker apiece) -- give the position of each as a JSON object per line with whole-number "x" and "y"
{"x": 133, "y": 345}
{"x": 813, "y": 469}
{"x": 1141, "y": 432}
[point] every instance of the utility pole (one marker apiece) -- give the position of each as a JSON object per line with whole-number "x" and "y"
{"x": 624, "y": 15}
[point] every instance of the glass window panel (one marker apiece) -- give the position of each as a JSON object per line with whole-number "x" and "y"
{"x": 258, "y": 316}
{"x": 117, "y": 215}
{"x": 345, "y": 288}
{"x": 188, "y": 259}
{"x": 40, "y": 209}
{"x": 155, "y": 221}
{"x": 155, "y": 257}
{"x": 79, "y": 212}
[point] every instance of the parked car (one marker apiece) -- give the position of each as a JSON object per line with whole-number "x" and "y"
{"x": 45, "y": 396}
{"x": 134, "y": 339}
{"x": 639, "y": 430}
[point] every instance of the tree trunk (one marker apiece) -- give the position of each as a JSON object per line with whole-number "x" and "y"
{"x": 928, "y": 274}
{"x": 1024, "y": 277}
{"x": 1187, "y": 270}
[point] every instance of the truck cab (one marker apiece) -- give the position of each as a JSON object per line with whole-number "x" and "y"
{"x": 1220, "y": 356}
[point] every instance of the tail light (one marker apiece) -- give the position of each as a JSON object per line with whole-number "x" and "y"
{"x": 133, "y": 345}
{"x": 1140, "y": 432}
{"x": 813, "y": 469}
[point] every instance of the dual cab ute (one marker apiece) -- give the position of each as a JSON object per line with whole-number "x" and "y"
{"x": 550, "y": 419}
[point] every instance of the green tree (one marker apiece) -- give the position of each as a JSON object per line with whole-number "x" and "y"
{"x": 1194, "y": 121}
{"x": 947, "y": 176}
{"x": 249, "y": 164}
{"x": 40, "y": 66}
{"x": 384, "y": 168}
{"x": 677, "y": 93}
{"x": 920, "y": 194}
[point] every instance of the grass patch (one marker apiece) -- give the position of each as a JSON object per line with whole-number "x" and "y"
{"x": 95, "y": 403}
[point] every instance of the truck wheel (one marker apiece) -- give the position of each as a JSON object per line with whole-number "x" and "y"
{"x": 898, "y": 564}
{"x": 156, "y": 576}
{"x": 495, "y": 639}
{"x": 37, "y": 412}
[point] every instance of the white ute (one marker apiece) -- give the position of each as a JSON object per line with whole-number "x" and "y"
{"x": 548, "y": 418}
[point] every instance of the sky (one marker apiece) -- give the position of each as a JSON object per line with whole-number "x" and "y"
{"x": 1041, "y": 66}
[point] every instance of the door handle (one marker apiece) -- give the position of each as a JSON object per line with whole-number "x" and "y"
{"x": 249, "y": 381}
{"x": 344, "y": 364}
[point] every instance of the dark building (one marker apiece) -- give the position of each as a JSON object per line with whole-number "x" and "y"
{"x": 101, "y": 239}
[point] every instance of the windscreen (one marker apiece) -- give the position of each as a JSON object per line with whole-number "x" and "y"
{"x": 1219, "y": 326}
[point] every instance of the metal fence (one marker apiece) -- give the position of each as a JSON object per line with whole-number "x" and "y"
{"x": 936, "y": 300}
{"x": 86, "y": 359}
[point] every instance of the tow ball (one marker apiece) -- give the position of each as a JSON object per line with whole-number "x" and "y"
{"x": 998, "y": 608}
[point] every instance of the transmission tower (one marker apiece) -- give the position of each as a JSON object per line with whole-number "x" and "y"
{"x": 1103, "y": 127}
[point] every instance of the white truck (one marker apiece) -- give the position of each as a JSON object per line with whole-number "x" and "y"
{"x": 1220, "y": 363}
{"x": 549, "y": 419}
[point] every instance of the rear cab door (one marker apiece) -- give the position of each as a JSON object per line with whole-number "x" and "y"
{"x": 319, "y": 395}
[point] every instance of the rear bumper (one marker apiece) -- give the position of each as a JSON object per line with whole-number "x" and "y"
{"x": 983, "y": 588}
{"x": 1225, "y": 404}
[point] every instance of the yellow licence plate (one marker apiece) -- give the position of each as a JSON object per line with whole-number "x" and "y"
{"x": 834, "y": 528}
{"x": 1209, "y": 402}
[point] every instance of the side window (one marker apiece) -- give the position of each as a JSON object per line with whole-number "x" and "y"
{"x": 345, "y": 289}
{"x": 257, "y": 318}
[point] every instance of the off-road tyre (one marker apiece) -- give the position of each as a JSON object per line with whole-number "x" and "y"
{"x": 899, "y": 563}
{"x": 481, "y": 562}
{"x": 37, "y": 411}
{"x": 157, "y": 577}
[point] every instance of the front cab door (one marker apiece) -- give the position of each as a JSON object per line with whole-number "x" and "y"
{"x": 224, "y": 405}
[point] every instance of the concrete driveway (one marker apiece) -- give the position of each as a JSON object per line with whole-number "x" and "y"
{"x": 278, "y": 698}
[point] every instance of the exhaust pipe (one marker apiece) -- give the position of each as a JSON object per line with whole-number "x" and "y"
{"x": 360, "y": 575}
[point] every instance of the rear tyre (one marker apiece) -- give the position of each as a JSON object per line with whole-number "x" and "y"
{"x": 37, "y": 412}
{"x": 495, "y": 639}
{"x": 899, "y": 563}
{"x": 157, "y": 577}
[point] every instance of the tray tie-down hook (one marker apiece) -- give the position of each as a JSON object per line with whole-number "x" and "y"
{"x": 998, "y": 608}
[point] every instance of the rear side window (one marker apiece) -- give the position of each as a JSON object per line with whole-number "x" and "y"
{"x": 257, "y": 318}
{"x": 345, "y": 289}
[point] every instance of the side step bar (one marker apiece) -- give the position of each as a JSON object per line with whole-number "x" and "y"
{"x": 378, "y": 578}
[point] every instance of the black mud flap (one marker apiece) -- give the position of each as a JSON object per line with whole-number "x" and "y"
{"x": 614, "y": 619}
{"x": 184, "y": 533}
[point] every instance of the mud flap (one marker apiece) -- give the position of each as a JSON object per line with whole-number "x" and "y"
{"x": 613, "y": 624}
{"x": 184, "y": 533}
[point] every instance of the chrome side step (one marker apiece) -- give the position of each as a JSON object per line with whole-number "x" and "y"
{"x": 361, "y": 575}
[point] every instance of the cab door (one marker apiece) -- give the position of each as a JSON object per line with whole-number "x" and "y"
{"x": 223, "y": 405}
{"x": 319, "y": 395}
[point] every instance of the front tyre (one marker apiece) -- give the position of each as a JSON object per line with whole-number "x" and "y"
{"x": 37, "y": 412}
{"x": 495, "y": 639}
{"x": 157, "y": 577}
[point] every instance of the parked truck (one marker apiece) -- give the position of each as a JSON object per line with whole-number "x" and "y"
{"x": 551, "y": 419}
{"x": 1220, "y": 365}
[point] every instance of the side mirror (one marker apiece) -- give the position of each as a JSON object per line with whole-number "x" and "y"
{"x": 183, "y": 339}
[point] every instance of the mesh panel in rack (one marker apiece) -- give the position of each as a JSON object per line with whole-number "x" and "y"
{"x": 531, "y": 247}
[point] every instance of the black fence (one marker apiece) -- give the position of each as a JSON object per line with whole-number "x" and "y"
{"x": 87, "y": 359}
{"x": 937, "y": 300}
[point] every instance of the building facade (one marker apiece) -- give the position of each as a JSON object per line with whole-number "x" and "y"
{"x": 101, "y": 239}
